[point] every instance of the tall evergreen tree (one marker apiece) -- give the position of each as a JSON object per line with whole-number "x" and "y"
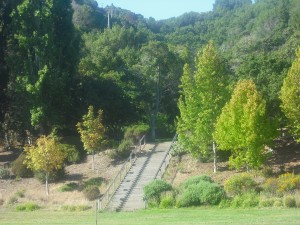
{"x": 42, "y": 62}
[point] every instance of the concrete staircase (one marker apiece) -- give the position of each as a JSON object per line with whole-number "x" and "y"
{"x": 129, "y": 195}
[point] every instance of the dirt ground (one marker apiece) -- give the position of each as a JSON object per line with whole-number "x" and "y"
{"x": 285, "y": 158}
{"x": 34, "y": 191}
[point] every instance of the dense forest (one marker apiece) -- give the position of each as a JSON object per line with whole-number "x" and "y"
{"x": 58, "y": 57}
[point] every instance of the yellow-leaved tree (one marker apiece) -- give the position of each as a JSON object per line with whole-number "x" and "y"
{"x": 47, "y": 156}
{"x": 92, "y": 132}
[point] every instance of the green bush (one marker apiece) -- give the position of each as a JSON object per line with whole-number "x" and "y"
{"x": 20, "y": 169}
{"x": 245, "y": 200}
{"x": 69, "y": 187}
{"x": 96, "y": 181}
{"x": 267, "y": 202}
{"x": 91, "y": 192}
{"x": 278, "y": 204}
{"x": 29, "y": 206}
{"x": 195, "y": 180}
{"x": 53, "y": 177}
{"x": 123, "y": 150}
{"x": 239, "y": 184}
{"x": 290, "y": 201}
{"x": 154, "y": 190}
{"x": 73, "y": 155}
{"x": 167, "y": 201}
{"x": 135, "y": 132}
{"x": 4, "y": 173}
{"x": 20, "y": 193}
{"x": 201, "y": 193}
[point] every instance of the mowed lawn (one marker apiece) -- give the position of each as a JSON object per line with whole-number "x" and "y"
{"x": 157, "y": 217}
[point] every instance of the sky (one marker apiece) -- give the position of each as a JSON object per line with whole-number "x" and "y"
{"x": 160, "y": 9}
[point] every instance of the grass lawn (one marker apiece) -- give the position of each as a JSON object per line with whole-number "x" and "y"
{"x": 157, "y": 217}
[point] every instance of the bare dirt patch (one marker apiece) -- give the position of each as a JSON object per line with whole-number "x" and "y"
{"x": 285, "y": 158}
{"x": 34, "y": 191}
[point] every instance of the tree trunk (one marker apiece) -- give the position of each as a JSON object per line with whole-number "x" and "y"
{"x": 47, "y": 188}
{"x": 215, "y": 157}
{"x": 93, "y": 161}
{"x": 154, "y": 115}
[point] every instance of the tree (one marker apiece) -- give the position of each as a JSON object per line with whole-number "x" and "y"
{"x": 203, "y": 96}
{"x": 42, "y": 62}
{"x": 92, "y": 132}
{"x": 47, "y": 156}
{"x": 290, "y": 97}
{"x": 243, "y": 126}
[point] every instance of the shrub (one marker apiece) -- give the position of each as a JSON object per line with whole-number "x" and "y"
{"x": 154, "y": 189}
{"x": 277, "y": 204}
{"x": 199, "y": 191}
{"x": 167, "y": 201}
{"x": 53, "y": 177}
{"x": 29, "y": 206}
{"x": 267, "y": 202}
{"x": 123, "y": 150}
{"x": 195, "y": 180}
{"x": 290, "y": 201}
{"x": 284, "y": 183}
{"x": 91, "y": 192}
{"x": 4, "y": 173}
{"x": 135, "y": 132}
{"x": 239, "y": 184}
{"x": 245, "y": 200}
{"x": 69, "y": 187}
{"x": 20, "y": 169}
{"x": 73, "y": 155}
{"x": 96, "y": 181}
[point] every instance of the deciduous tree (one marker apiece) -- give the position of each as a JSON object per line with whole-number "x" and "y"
{"x": 290, "y": 97}
{"x": 244, "y": 127}
{"x": 47, "y": 156}
{"x": 92, "y": 132}
{"x": 204, "y": 93}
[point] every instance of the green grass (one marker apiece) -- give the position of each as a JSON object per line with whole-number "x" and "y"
{"x": 158, "y": 217}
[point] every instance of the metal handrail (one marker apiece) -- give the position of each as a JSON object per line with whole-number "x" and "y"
{"x": 163, "y": 166}
{"x": 114, "y": 185}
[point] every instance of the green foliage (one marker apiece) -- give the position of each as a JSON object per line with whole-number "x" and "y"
{"x": 203, "y": 95}
{"x": 69, "y": 187}
{"x": 195, "y": 180}
{"x": 29, "y": 207}
{"x": 245, "y": 200}
{"x": 167, "y": 201}
{"x": 91, "y": 192}
{"x": 73, "y": 155}
{"x": 290, "y": 96}
{"x": 4, "y": 173}
{"x": 123, "y": 151}
{"x": 240, "y": 184}
{"x": 290, "y": 201}
{"x": 54, "y": 176}
{"x": 20, "y": 193}
{"x": 155, "y": 189}
{"x": 97, "y": 181}
{"x": 20, "y": 169}
{"x": 135, "y": 132}
{"x": 200, "y": 191}
{"x": 244, "y": 127}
